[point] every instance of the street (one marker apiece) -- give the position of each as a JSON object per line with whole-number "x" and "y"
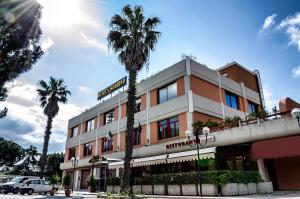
{"x": 76, "y": 195}
{"x": 80, "y": 195}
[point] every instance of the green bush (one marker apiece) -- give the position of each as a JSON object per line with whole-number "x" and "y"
{"x": 225, "y": 177}
{"x": 207, "y": 177}
{"x": 91, "y": 182}
{"x": 67, "y": 181}
{"x": 54, "y": 180}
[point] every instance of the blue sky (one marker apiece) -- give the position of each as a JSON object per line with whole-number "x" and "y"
{"x": 263, "y": 35}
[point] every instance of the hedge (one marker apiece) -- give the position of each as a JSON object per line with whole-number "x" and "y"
{"x": 207, "y": 177}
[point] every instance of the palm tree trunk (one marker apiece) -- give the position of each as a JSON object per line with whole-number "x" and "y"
{"x": 43, "y": 161}
{"x": 127, "y": 178}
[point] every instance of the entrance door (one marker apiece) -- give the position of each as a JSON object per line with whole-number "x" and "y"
{"x": 84, "y": 177}
{"x": 272, "y": 173}
{"x": 102, "y": 178}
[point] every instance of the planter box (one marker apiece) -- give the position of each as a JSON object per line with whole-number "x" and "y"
{"x": 264, "y": 187}
{"x": 137, "y": 189}
{"x": 109, "y": 189}
{"x": 209, "y": 189}
{"x": 252, "y": 188}
{"x": 116, "y": 189}
{"x": 189, "y": 190}
{"x": 147, "y": 189}
{"x": 230, "y": 189}
{"x": 242, "y": 189}
{"x": 159, "y": 189}
{"x": 174, "y": 190}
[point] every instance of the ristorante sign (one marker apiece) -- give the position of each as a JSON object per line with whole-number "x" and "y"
{"x": 115, "y": 86}
{"x": 210, "y": 138}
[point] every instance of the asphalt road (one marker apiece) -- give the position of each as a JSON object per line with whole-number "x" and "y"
{"x": 40, "y": 196}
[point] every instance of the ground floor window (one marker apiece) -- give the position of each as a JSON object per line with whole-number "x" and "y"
{"x": 235, "y": 158}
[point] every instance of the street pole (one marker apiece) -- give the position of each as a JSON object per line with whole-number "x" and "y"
{"x": 73, "y": 175}
{"x": 198, "y": 163}
{"x": 74, "y": 163}
{"x": 189, "y": 134}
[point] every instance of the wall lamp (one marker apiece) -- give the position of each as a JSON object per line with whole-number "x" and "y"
{"x": 296, "y": 115}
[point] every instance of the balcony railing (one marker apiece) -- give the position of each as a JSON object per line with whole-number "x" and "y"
{"x": 251, "y": 120}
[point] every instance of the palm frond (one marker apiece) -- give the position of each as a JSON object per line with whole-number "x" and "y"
{"x": 50, "y": 94}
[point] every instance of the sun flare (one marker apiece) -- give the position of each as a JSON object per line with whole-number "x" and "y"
{"x": 61, "y": 13}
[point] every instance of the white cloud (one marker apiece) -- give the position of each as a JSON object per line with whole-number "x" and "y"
{"x": 64, "y": 21}
{"x": 291, "y": 25}
{"x": 269, "y": 21}
{"x": 46, "y": 44}
{"x": 17, "y": 103}
{"x": 270, "y": 101}
{"x": 94, "y": 42}
{"x": 84, "y": 89}
{"x": 296, "y": 71}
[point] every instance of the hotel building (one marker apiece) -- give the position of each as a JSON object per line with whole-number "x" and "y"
{"x": 167, "y": 104}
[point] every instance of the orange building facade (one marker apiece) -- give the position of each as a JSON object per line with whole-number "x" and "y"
{"x": 167, "y": 105}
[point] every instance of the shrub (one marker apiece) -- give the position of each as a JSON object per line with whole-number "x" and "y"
{"x": 67, "y": 181}
{"x": 91, "y": 182}
{"x": 207, "y": 177}
{"x": 231, "y": 120}
{"x": 54, "y": 180}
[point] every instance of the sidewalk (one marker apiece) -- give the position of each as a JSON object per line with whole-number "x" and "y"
{"x": 277, "y": 195}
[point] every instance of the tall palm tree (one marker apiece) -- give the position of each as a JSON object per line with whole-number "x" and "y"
{"x": 49, "y": 96}
{"x": 132, "y": 37}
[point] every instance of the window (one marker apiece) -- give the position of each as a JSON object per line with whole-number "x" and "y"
{"x": 45, "y": 182}
{"x": 109, "y": 117}
{"x": 252, "y": 108}
{"x": 136, "y": 137}
{"x": 72, "y": 152}
{"x": 112, "y": 172}
{"x": 90, "y": 125}
{"x": 74, "y": 132}
{"x": 168, "y": 128}
{"x": 35, "y": 182}
{"x": 87, "y": 149}
{"x": 167, "y": 93}
{"x": 232, "y": 100}
{"x": 107, "y": 144}
{"x": 138, "y": 103}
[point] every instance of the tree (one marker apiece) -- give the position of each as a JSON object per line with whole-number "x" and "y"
{"x": 19, "y": 40}
{"x": 132, "y": 37}
{"x": 10, "y": 152}
{"x": 49, "y": 96}
{"x": 29, "y": 163}
{"x": 53, "y": 163}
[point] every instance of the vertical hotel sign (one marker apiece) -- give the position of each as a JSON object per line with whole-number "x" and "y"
{"x": 109, "y": 90}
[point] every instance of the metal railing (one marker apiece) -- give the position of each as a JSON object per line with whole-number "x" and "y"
{"x": 250, "y": 120}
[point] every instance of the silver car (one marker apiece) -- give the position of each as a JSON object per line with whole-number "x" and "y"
{"x": 35, "y": 186}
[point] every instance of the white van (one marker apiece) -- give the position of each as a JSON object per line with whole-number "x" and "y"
{"x": 35, "y": 186}
{"x": 14, "y": 185}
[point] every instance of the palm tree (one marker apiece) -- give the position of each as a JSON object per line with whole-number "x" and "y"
{"x": 49, "y": 96}
{"x": 132, "y": 37}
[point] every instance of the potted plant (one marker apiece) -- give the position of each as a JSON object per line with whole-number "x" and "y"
{"x": 67, "y": 184}
{"x": 92, "y": 184}
{"x": 54, "y": 180}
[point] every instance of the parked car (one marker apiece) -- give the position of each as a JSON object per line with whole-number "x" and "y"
{"x": 13, "y": 186}
{"x": 35, "y": 186}
{"x": 5, "y": 179}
